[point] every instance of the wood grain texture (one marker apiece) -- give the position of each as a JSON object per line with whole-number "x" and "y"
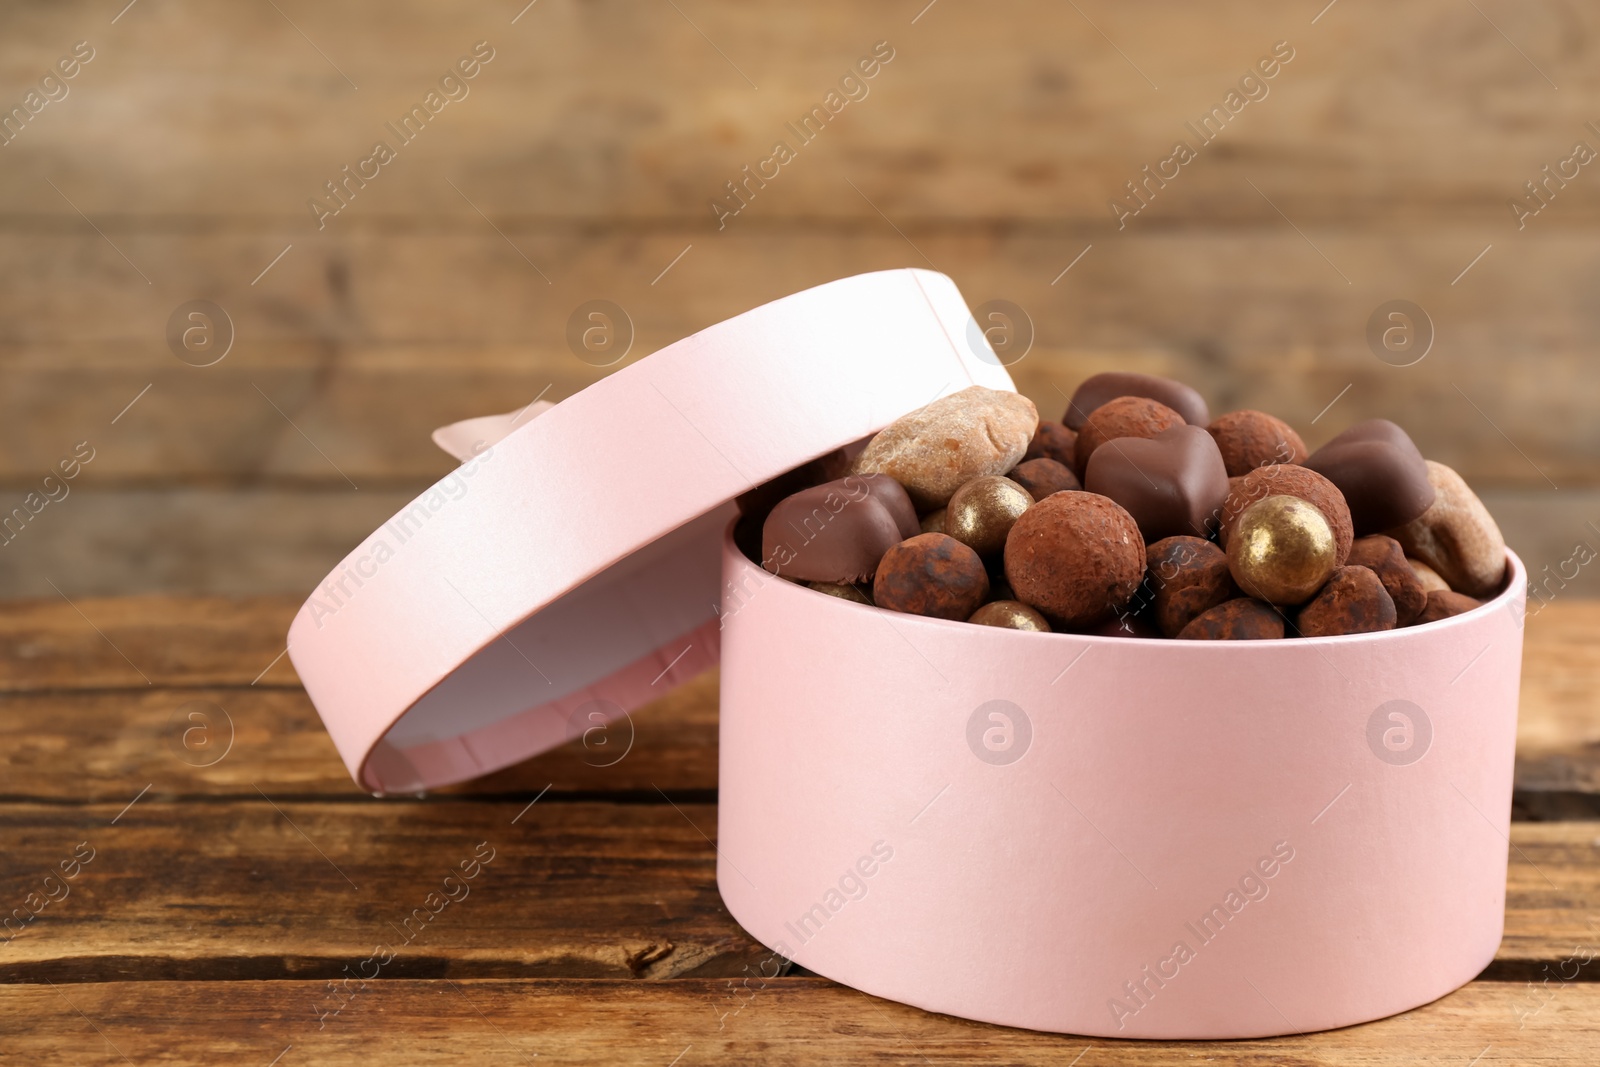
{"x": 715, "y": 1021}
{"x": 274, "y": 887}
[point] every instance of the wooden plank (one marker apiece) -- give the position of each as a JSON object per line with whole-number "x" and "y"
{"x": 278, "y": 889}
{"x": 369, "y": 344}
{"x": 219, "y": 742}
{"x": 272, "y": 887}
{"x": 702, "y": 1021}
{"x": 605, "y": 110}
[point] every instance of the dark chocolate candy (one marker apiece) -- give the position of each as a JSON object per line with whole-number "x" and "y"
{"x": 1442, "y": 605}
{"x": 1237, "y": 620}
{"x": 1353, "y": 601}
{"x": 1043, "y": 476}
{"x": 1383, "y": 477}
{"x": 1052, "y": 441}
{"x": 1173, "y": 483}
{"x": 1385, "y": 558}
{"x": 1099, "y": 388}
{"x": 837, "y": 531}
{"x": 1184, "y": 578}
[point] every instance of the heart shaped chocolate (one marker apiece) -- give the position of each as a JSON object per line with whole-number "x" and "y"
{"x": 1381, "y": 473}
{"x": 1173, "y": 483}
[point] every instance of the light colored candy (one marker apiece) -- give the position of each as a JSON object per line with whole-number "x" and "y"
{"x": 1456, "y": 536}
{"x": 1431, "y": 582}
{"x": 935, "y": 450}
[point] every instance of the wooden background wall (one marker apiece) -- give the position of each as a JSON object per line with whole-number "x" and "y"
{"x": 583, "y": 162}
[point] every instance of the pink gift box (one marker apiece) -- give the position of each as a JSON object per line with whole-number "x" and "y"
{"x": 1106, "y": 836}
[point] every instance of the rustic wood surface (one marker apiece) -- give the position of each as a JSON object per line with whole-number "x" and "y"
{"x": 223, "y": 899}
{"x": 582, "y": 165}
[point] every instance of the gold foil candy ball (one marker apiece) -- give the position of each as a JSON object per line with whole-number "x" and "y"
{"x": 982, "y": 511}
{"x": 1282, "y": 550}
{"x": 842, "y": 590}
{"x": 1011, "y": 614}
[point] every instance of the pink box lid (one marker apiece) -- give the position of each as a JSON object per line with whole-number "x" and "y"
{"x": 569, "y": 570}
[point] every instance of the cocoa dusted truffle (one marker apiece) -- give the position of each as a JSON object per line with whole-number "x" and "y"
{"x": 1251, "y": 439}
{"x": 1126, "y": 416}
{"x": 1099, "y": 388}
{"x": 931, "y": 574}
{"x": 1353, "y": 601}
{"x": 1444, "y": 604}
{"x": 1237, "y": 620}
{"x": 837, "y": 531}
{"x": 1052, "y": 441}
{"x": 1286, "y": 479}
{"x": 1077, "y": 557}
{"x": 1385, "y": 558}
{"x": 1184, "y": 578}
{"x": 1042, "y": 476}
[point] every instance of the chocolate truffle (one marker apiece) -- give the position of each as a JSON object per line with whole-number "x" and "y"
{"x": 1237, "y": 620}
{"x": 1431, "y": 582}
{"x": 1172, "y": 484}
{"x": 1043, "y": 476}
{"x": 1011, "y": 615}
{"x": 936, "y": 449}
{"x": 981, "y": 512}
{"x": 837, "y": 531}
{"x": 1290, "y": 480}
{"x": 1442, "y": 605}
{"x": 1099, "y": 388}
{"x": 1126, "y": 416}
{"x": 1077, "y": 557}
{"x": 1251, "y": 439}
{"x": 1385, "y": 558}
{"x": 1052, "y": 441}
{"x": 1281, "y": 550}
{"x": 1184, "y": 578}
{"x": 1383, "y": 477}
{"x": 1353, "y": 602}
{"x": 931, "y": 574}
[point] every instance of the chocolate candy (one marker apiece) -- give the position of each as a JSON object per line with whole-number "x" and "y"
{"x": 1353, "y": 602}
{"x": 837, "y": 531}
{"x": 1099, "y": 388}
{"x": 843, "y": 590}
{"x": 936, "y": 449}
{"x": 1172, "y": 483}
{"x": 1184, "y": 578}
{"x": 1042, "y": 476}
{"x": 1126, "y": 416}
{"x": 1012, "y": 615}
{"x": 933, "y": 522}
{"x": 1431, "y": 582}
{"x": 1052, "y": 441}
{"x": 1456, "y": 536}
{"x": 1237, "y": 620}
{"x": 1383, "y": 477}
{"x": 981, "y": 512}
{"x": 1077, "y": 557}
{"x": 1385, "y": 558}
{"x": 1281, "y": 550}
{"x": 1443, "y": 605}
{"x": 1289, "y": 480}
{"x": 758, "y": 503}
{"x": 1251, "y": 439}
{"x": 931, "y": 574}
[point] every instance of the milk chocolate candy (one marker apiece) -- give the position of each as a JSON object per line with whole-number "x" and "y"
{"x": 1443, "y": 605}
{"x": 837, "y": 531}
{"x": 1172, "y": 484}
{"x": 1099, "y": 388}
{"x": 1126, "y": 416}
{"x": 1383, "y": 477}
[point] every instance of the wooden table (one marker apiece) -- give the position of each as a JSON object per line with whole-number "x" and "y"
{"x": 237, "y": 877}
